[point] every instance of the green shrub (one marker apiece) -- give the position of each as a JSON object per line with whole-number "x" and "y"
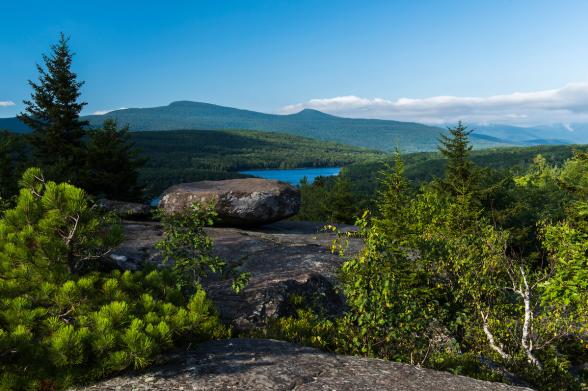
{"x": 438, "y": 283}
{"x": 62, "y": 320}
{"x": 189, "y": 250}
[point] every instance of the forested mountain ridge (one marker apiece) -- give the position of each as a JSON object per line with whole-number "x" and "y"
{"x": 369, "y": 133}
{"x": 536, "y": 135}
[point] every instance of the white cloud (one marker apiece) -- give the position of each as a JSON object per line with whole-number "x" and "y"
{"x": 6, "y": 103}
{"x": 102, "y": 112}
{"x": 564, "y": 105}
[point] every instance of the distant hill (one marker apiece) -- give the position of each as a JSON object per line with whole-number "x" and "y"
{"x": 536, "y": 135}
{"x": 13, "y": 125}
{"x": 369, "y": 133}
{"x": 375, "y": 134}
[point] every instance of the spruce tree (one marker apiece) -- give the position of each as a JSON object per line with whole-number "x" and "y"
{"x": 54, "y": 115}
{"x": 460, "y": 173}
{"x": 112, "y": 164}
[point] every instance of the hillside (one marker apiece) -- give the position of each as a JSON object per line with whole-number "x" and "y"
{"x": 191, "y": 155}
{"x": 369, "y": 133}
{"x": 14, "y": 125}
{"x": 424, "y": 166}
{"x": 536, "y": 135}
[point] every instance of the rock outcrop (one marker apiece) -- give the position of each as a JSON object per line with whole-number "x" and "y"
{"x": 126, "y": 210}
{"x": 284, "y": 258}
{"x": 238, "y": 202}
{"x": 258, "y": 364}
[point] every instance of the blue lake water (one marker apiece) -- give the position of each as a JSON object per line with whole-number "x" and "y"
{"x": 293, "y": 176}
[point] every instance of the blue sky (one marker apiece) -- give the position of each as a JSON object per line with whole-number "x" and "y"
{"x": 338, "y": 56}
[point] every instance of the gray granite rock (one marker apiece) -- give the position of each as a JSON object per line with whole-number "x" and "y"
{"x": 259, "y": 364}
{"x": 238, "y": 202}
{"x": 283, "y": 258}
{"x": 126, "y": 210}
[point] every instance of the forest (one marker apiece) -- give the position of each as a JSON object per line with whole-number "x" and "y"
{"x": 474, "y": 262}
{"x": 192, "y": 155}
{"x": 360, "y": 181}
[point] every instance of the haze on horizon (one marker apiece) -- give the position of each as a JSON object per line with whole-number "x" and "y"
{"x": 522, "y": 63}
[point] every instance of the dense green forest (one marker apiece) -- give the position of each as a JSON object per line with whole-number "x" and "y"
{"x": 424, "y": 166}
{"x": 476, "y": 269}
{"x": 381, "y": 135}
{"x": 191, "y": 155}
{"x": 361, "y": 181}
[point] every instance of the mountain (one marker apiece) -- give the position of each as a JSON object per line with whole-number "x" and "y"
{"x": 370, "y": 133}
{"x": 376, "y": 134}
{"x": 536, "y": 135}
{"x": 14, "y": 125}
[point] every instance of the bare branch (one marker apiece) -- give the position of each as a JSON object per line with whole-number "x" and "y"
{"x": 490, "y": 337}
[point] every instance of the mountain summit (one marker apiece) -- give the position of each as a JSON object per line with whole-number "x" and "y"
{"x": 186, "y": 115}
{"x": 369, "y": 133}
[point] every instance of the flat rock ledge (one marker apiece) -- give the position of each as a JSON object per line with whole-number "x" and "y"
{"x": 261, "y": 364}
{"x": 283, "y": 259}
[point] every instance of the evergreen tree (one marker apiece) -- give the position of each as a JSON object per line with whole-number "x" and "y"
{"x": 54, "y": 115}
{"x": 7, "y": 180}
{"x": 460, "y": 174}
{"x": 112, "y": 164}
{"x": 11, "y": 161}
{"x": 62, "y": 320}
{"x": 393, "y": 197}
{"x": 340, "y": 203}
{"x": 60, "y": 233}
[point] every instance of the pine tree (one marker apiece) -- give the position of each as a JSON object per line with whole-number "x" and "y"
{"x": 54, "y": 115}
{"x": 63, "y": 320}
{"x": 460, "y": 173}
{"x": 112, "y": 164}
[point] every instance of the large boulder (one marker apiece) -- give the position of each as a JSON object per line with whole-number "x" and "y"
{"x": 250, "y": 201}
{"x": 260, "y": 364}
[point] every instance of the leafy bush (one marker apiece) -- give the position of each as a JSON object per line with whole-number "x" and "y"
{"x": 62, "y": 320}
{"x": 439, "y": 283}
{"x": 189, "y": 250}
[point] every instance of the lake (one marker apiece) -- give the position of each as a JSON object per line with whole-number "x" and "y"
{"x": 293, "y": 176}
